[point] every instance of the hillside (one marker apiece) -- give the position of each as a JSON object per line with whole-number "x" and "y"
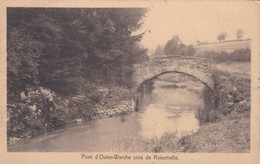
{"x": 225, "y": 46}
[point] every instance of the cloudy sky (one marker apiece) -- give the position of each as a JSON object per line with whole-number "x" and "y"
{"x": 194, "y": 21}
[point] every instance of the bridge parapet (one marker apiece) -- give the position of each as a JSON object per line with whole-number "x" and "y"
{"x": 199, "y": 68}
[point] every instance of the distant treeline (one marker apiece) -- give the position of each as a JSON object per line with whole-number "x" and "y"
{"x": 208, "y": 43}
{"x": 237, "y": 55}
{"x": 174, "y": 47}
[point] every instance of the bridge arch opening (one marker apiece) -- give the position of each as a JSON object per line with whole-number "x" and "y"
{"x": 167, "y": 72}
{"x": 140, "y": 91}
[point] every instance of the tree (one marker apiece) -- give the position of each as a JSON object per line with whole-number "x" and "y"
{"x": 239, "y": 33}
{"x": 158, "y": 51}
{"x": 58, "y": 48}
{"x": 172, "y": 46}
{"x": 23, "y": 54}
{"x": 222, "y": 36}
{"x": 177, "y": 48}
{"x": 187, "y": 50}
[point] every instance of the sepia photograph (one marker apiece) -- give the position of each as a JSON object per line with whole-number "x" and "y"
{"x": 165, "y": 78}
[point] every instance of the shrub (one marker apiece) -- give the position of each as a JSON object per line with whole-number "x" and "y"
{"x": 234, "y": 93}
{"x": 230, "y": 93}
{"x": 33, "y": 113}
{"x": 41, "y": 109}
{"x": 208, "y": 113}
{"x": 80, "y": 107}
{"x": 121, "y": 93}
{"x": 38, "y": 110}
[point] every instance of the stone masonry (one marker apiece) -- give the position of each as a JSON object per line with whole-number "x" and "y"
{"x": 199, "y": 68}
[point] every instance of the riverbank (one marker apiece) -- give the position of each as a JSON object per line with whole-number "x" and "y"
{"x": 163, "y": 109}
{"x": 228, "y": 134}
{"x": 229, "y": 131}
{"x": 42, "y": 111}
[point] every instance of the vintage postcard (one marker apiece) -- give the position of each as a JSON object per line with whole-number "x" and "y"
{"x": 129, "y": 81}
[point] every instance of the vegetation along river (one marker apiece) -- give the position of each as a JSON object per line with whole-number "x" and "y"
{"x": 169, "y": 105}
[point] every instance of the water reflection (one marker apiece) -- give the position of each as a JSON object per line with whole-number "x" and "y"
{"x": 169, "y": 109}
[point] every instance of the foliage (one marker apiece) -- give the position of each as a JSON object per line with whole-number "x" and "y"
{"x": 231, "y": 93}
{"x": 237, "y": 55}
{"x": 66, "y": 52}
{"x": 36, "y": 111}
{"x": 208, "y": 112}
{"x": 55, "y": 48}
{"x": 234, "y": 93}
{"x": 22, "y": 61}
{"x": 176, "y": 47}
{"x": 41, "y": 109}
{"x": 158, "y": 51}
{"x": 120, "y": 94}
{"x": 222, "y": 36}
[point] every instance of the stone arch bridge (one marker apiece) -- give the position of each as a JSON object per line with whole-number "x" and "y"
{"x": 199, "y": 68}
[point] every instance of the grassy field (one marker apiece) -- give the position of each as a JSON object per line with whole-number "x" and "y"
{"x": 225, "y": 46}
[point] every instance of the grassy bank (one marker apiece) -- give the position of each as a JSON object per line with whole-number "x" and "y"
{"x": 228, "y": 134}
{"x": 168, "y": 142}
{"x": 227, "y": 128}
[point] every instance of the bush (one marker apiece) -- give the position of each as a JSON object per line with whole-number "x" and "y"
{"x": 208, "y": 113}
{"x": 230, "y": 93}
{"x": 80, "y": 107}
{"x": 36, "y": 111}
{"x": 121, "y": 93}
{"x": 41, "y": 109}
{"x": 234, "y": 93}
{"x": 205, "y": 115}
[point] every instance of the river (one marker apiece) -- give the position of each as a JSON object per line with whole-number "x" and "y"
{"x": 169, "y": 107}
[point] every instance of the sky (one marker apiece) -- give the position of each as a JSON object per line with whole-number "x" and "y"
{"x": 194, "y": 21}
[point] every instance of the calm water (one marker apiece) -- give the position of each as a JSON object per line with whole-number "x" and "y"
{"x": 162, "y": 110}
